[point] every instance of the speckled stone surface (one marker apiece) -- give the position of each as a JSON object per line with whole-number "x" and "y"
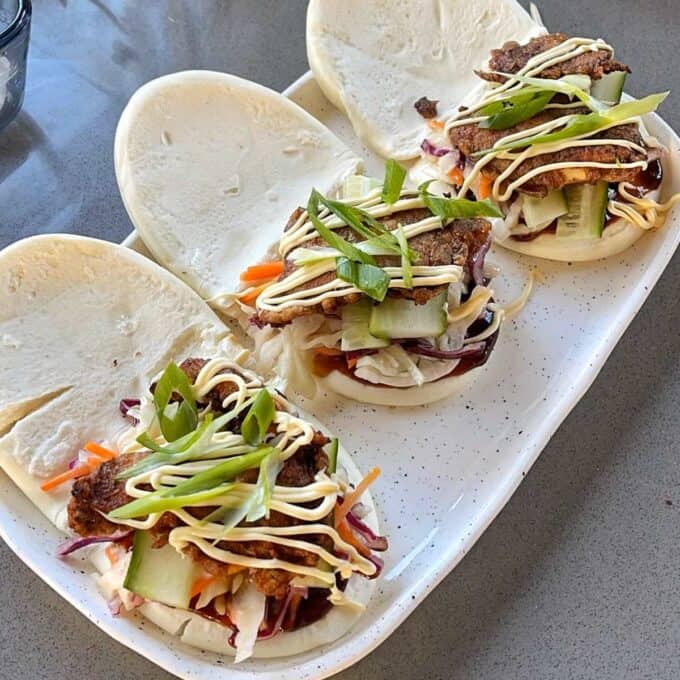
{"x": 578, "y": 577}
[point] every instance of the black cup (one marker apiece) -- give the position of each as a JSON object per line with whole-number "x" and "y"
{"x": 15, "y": 28}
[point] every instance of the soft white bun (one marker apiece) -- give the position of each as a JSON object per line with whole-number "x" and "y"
{"x": 374, "y": 60}
{"x": 83, "y": 324}
{"x": 342, "y": 384}
{"x": 210, "y": 166}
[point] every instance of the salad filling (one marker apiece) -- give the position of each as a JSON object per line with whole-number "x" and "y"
{"x": 221, "y": 500}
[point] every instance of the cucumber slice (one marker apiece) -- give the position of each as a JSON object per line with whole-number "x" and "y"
{"x": 356, "y": 186}
{"x": 609, "y": 88}
{"x": 540, "y": 212}
{"x": 587, "y": 209}
{"x": 160, "y": 574}
{"x": 355, "y": 333}
{"x": 399, "y": 318}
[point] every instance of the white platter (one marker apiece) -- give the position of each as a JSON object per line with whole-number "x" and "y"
{"x": 449, "y": 468}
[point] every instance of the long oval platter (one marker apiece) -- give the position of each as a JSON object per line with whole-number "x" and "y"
{"x": 449, "y": 468}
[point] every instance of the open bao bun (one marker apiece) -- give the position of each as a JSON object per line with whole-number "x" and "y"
{"x": 210, "y": 166}
{"x": 374, "y": 60}
{"x": 84, "y": 324}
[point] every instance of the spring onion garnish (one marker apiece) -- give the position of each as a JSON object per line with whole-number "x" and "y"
{"x": 509, "y": 112}
{"x": 259, "y": 418}
{"x": 200, "y": 487}
{"x": 185, "y": 418}
{"x": 407, "y": 273}
{"x": 264, "y": 489}
{"x": 394, "y": 181}
{"x": 334, "y": 240}
{"x": 456, "y": 208}
{"x": 355, "y": 267}
{"x": 365, "y": 225}
{"x": 332, "y": 453}
{"x": 587, "y": 123}
{"x": 368, "y": 278}
{"x": 532, "y": 99}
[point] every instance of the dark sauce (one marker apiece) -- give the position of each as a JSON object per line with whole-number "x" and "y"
{"x": 645, "y": 181}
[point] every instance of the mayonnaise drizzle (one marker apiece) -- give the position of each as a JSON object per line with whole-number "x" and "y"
{"x": 643, "y": 212}
{"x": 210, "y": 537}
{"x": 283, "y": 294}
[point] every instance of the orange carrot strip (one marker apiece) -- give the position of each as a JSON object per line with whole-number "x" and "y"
{"x": 456, "y": 176}
{"x": 266, "y": 270}
{"x": 347, "y": 535}
{"x": 74, "y": 473}
{"x": 435, "y": 124}
{"x": 234, "y": 569}
{"x": 485, "y": 184}
{"x": 249, "y": 297}
{"x": 112, "y": 554}
{"x": 352, "y": 362}
{"x": 352, "y": 498}
{"x": 99, "y": 451}
{"x": 328, "y": 351}
{"x": 200, "y": 584}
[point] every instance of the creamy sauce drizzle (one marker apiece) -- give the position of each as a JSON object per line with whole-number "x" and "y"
{"x": 282, "y": 294}
{"x": 645, "y": 213}
{"x": 292, "y": 433}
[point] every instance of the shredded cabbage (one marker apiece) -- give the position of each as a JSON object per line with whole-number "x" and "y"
{"x": 246, "y": 610}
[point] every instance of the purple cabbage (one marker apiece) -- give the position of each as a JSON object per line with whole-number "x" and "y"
{"x": 80, "y": 542}
{"x": 366, "y": 535}
{"x": 274, "y": 627}
{"x": 438, "y": 151}
{"x": 125, "y": 405}
{"x": 477, "y": 269}
{"x": 424, "y": 348}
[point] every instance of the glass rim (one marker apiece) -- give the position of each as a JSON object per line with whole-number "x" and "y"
{"x": 16, "y": 26}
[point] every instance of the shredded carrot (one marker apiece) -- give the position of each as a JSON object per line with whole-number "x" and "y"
{"x": 112, "y": 554}
{"x": 346, "y": 534}
{"x": 200, "y": 584}
{"x": 328, "y": 351}
{"x": 266, "y": 270}
{"x": 456, "y": 176}
{"x": 351, "y": 499}
{"x": 234, "y": 569}
{"x": 351, "y": 362}
{"x": 435, "y": 124}
{"x": 485, "y": 184}
{"x": 249, "y": 297}
{"x": 99, "y": 451}
{"x": 74, "y": 473}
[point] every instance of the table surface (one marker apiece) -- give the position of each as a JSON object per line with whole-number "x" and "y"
{"x": 579, "y": 575}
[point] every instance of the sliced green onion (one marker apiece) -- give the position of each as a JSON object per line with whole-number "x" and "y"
{"x": 332, "y": 453}
{"x": 162, "y": 503}
{"x": 259, "y": 418}
{"x": 456, "y": 208}
{"x": 303, "y": 257}
{"x": 334, "y": 240}
{"x": 514, "y": 114}
{"x": 407, "y": 272}
{"x": 264, "y": 489}
{"x": 588, "y": 123}
{"x": 202, "y": 483}
{"x": 394, "y": 181}
{"x": 370, "y": 279}
{"x": 174, "y": 379}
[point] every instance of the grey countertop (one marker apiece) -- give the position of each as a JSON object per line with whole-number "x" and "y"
{"x": 579, "y": 576}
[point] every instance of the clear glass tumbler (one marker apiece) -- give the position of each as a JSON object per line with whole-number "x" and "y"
{"x": 15, "y": 28}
